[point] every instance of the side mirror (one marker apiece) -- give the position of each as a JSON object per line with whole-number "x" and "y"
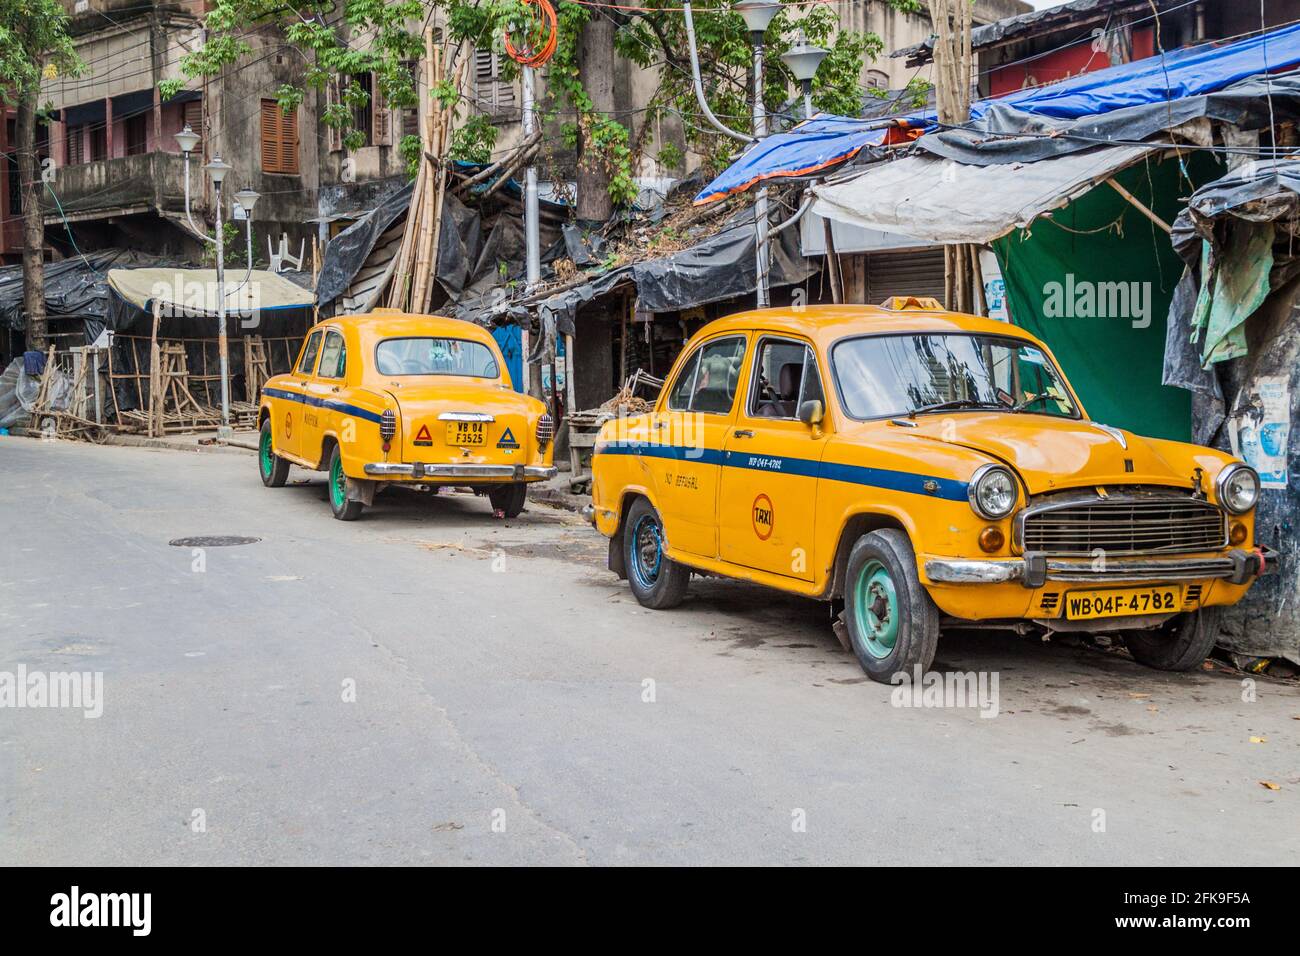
{"x": 811, "y": 412}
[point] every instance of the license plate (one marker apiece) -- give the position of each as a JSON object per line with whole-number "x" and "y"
{"x": 1086, "y": 605}
{"x": 467, "y": 433}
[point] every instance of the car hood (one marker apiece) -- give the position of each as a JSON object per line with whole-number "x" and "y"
{"x": 1053, "y": 453}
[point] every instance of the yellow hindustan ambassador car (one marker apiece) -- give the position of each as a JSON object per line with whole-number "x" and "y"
{"x": 415, "y": 399}
{"x": 920, "y": 469}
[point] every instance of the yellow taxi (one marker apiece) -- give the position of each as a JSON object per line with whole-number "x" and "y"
{"x": 920, "y": 468}
{"x": 391, "y": 397}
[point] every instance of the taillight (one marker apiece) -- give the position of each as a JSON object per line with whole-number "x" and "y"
{"x": 545, "y": 430}
{"x": 387, "y": 425}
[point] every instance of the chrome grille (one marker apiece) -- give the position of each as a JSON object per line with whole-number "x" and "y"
{"x": 1143, "y": 524}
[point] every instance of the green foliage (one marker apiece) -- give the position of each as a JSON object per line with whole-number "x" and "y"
{"x": 34, "y": 42}
{"x": 473, "y": 142}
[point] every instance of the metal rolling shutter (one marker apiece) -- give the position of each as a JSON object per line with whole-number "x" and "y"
{"x": 916, "y": 272}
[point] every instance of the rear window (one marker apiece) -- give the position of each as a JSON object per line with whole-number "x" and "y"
{"x": 427, "y": 355}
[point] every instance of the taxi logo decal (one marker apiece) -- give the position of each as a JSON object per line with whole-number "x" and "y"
{"x": 423, "y": 437}
{"x": 764, "y": 518}
{"x": 288, "y": 424}
{"x": 507, "y": 440}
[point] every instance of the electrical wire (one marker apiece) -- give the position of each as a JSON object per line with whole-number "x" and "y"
{"x": 535, "y": 57}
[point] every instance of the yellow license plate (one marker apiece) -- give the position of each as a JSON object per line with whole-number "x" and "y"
{"x": 467, "y": 433}
{"x": 1121, "y": 602}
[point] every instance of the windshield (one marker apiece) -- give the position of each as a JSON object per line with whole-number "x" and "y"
{"x": 880, "y": 376}
{"x": 435, "y": 356}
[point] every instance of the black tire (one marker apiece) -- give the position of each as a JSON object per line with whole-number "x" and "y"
{"x": 657, "y": 581}
{"x": 344, "y": 508}
{"x": 273, "y": 469}
{"x": 1181, "y": 644}
{"x": 509, "y": 498}
{"x": 892, "y": 622}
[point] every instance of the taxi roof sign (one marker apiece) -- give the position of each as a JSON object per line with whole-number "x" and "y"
{"x": 922, "y": 303}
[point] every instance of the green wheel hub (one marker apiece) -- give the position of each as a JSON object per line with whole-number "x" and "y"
{"x": 876, "y": 609}
{"x": 338, "y": 484}
{"x": 265, "y": 454}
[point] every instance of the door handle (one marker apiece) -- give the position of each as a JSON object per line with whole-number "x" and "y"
{"x": 742, "y": 433}
{"x": 660, "y": 424}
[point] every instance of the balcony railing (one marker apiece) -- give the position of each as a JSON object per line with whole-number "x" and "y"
{"x": 123, "y": 185}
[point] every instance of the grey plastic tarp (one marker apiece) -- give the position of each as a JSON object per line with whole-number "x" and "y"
{"x": 74, "y": 288}
{"x": 940, "y": 201}
{"x": 1256, "y": 192}
{"x": 347, "y": 252}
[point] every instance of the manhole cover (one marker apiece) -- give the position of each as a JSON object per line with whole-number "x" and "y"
{"x": 212, "y": 541}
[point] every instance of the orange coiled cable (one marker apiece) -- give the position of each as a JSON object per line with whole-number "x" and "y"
{"x": 529, "y": 57}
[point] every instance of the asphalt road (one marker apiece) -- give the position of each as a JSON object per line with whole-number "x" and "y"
{"x": 430, "y": 685}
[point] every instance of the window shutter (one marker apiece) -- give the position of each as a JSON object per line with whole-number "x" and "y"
{"x": 279, "y": 139}
{"x": 289, "y": 142}
{"x": 484, "y": 82}
{"x": 333, "y": 135}
{"x": 192, "y": 114}
{"x": 381, "y": 117}
{"x": 270, "y": 137}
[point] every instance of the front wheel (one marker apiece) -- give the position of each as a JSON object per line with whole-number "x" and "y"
{"x": 1180, "y": 644}
{"x": 509, "y": 499}
{"x": 657, "y": 581}
{"x": 273, "y": 469}
{"x": 893, "y": 623}
{"x": 343, "y": 509}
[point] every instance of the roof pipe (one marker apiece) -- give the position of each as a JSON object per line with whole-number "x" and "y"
{"x": 699, "y": 84}
{"x": 799, "y": 214}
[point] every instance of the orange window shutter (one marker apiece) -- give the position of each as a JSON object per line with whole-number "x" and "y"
{"x": 270, "y": 136}
{"x": 289, "y": 142}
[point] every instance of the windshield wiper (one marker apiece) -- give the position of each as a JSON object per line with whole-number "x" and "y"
{"x": 956, "y": 403}
{"x": 1032, "y": 400}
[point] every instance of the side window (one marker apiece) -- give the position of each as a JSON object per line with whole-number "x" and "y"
{"x": 333, "y": 356}
{"x": 708, "y": 380}
{"x": 785, "y": 376}
{"x": 308, "y": 360}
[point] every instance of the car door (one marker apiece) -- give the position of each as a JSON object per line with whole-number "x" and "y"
{"x": 289, "y": 424}
{"x": 320, "y": 390}
{"x": 687, "y": 436}
{"x": 771, "y": 460}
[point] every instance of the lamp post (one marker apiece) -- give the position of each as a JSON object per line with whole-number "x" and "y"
{"x": 802, "y": 60}
{"x": 217, "y": 170}
{"x": 758, "y": 14}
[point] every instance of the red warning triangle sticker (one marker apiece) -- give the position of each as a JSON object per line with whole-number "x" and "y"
{"x": 424, "y": 438}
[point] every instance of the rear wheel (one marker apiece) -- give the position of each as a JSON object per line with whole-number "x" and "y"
{"x": 892, "y": 622}
{"x": 657, "y": 581}
{"x": 343, "y": 509}
{"x": 509, "y": 499}
{"x": 1180, "y": 644}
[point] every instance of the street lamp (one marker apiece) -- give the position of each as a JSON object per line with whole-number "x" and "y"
{"x": 802, "y": 60}
{"x": 217, "y": 169}
{"x": 758, "y": 15}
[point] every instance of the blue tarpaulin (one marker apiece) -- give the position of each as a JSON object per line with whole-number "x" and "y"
{"x": 813, "y": 145}
{"x": 1191, "y": 71}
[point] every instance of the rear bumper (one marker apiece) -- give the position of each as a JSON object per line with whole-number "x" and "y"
{"x": 392, "y": 469}
{"x": 1036, "y": 569}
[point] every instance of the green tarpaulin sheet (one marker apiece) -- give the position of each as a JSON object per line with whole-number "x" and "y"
{"x": 1095, "y": 281}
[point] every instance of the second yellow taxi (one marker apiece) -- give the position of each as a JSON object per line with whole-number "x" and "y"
{"x": 391, "y": 397}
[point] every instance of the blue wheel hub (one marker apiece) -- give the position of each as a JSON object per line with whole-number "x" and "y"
{"x": 647, "y": 551}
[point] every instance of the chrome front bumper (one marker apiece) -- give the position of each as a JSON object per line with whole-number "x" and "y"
{"x": 420, "y": 469}
{"x": 1036, "y": 569}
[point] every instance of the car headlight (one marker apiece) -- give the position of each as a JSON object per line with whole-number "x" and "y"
{"x": 1238, "y": 488}
{"x": 992, "y": 492}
